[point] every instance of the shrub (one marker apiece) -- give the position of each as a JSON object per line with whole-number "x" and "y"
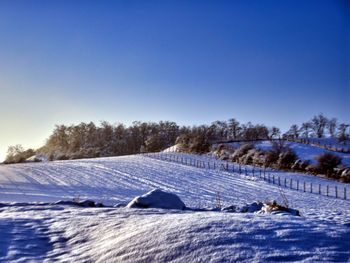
{"x": 313, "y": 169}
{"x": 16, "y": 154}
{"x": 287, "y": 159}
{"x": 192, "y": 143}
{"x": 279, "y": 146}
{"x": 327, "y": 161}
{"x": 270, "y": 157}
{"x": 243, "y": 150}
{"x": 199, "y": 144}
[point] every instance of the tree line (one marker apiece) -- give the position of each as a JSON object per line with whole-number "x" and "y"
{"x": 87, "y": 140}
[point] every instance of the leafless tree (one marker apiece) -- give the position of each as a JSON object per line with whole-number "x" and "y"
{"x": 318, "y": 124}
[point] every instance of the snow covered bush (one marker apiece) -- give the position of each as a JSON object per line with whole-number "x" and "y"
{"x": 300, "y": 165}
{"x": 248, "y": 157}
{"x": 345, "y": 176}
{"x": 258, "y": 157}
{"x": 17, "y": 154}
{"x": 242, "y": 151}
{"x": 270, "y": 158}
{"x": 286, "y": 159}
{"x": 326, "y": 162}
{"x": 222, "y": 152}
{"x": 193, "y": 143}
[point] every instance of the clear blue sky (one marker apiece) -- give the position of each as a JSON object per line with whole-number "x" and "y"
{"x": 193, "y": 62}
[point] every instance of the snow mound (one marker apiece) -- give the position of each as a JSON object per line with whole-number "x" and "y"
{"x": 262, "y": 208}
{"x": 174, "y": 148}
{"x": 157, "y": 199}
{"x": 38, "y": 158}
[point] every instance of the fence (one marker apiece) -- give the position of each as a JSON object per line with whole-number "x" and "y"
{"x": 255, "y": 172}
{"x": 335, "y": 147}
{"x": 331, "y": 147}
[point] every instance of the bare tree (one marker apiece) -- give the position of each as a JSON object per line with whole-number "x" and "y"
{"x": 342, "y": 135}
{"x": 293, "y": 132}
{"x": 318, "y": 124}
{"x": 234, "y": 128}
{"x": 274, "y": 132}
{"x": 331, "y": 126}
{"x": 305, "y": 129}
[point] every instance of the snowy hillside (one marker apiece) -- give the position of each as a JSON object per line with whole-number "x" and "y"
{"x": 50, "y": 232}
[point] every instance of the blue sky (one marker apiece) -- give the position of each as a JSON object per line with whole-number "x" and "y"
{"x": 193, "y": 62}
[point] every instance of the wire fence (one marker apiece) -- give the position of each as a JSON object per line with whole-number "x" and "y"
{"x": 335, "y": 147}
{"x": 254, "y": 172}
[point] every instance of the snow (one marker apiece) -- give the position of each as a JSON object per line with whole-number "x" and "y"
{"x": 157, "y": 199}
{"x": 38, "y": 158}
{"x": 66, "y": 232}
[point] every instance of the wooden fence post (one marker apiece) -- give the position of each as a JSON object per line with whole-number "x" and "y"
{"x": 336, "y": 192}
{"x": 327, "y": 190}
{"x": 285, "y": 182}
{"x": 319, "y": 189}
{"x": 297, "y": 185}
{"x": 279, "y": 181}
{"x": 304, "y": 187}
{"x": 344, "y": 193}
{"x": 291, "y": 183}
{"x": 310, "y": 187}
{"x": 269, "y": 177}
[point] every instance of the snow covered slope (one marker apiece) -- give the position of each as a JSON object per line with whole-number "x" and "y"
{"x": 75, "y": 234}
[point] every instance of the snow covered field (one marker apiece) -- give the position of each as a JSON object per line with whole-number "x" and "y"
{"x": 57, "y": 232}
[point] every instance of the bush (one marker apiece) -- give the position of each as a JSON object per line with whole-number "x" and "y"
{"x": 270, "y": 158}
{"x": 279, "y": 146}
{"x": 326, "y": 162}
{"x": 243, "y": 150}
{"x": 16, "y": 154}
{"x": 300, "y": 165}
{"x": 286, "y": 159}
{"x": 192, "y": 143}
{"x": 313, "y": 169}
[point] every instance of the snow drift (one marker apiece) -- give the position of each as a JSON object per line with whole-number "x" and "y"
{"x": 157, "y": 199}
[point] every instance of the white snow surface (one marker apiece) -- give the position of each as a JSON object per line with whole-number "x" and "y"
{"x": 43, "y": 232}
